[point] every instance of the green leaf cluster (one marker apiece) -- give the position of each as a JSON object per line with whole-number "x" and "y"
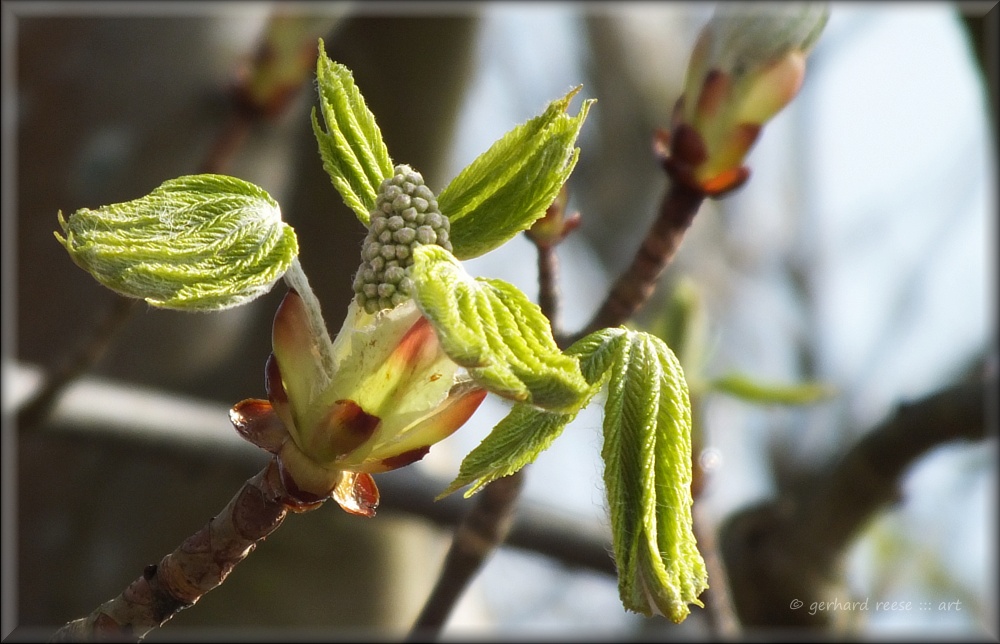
{"x": 501, "y": 193}
{"x": 647, "y": 464}
{"x": 199, "y": 243}
{"x": 494, "y": 198}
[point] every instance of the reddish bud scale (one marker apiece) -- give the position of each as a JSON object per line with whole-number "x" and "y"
{"x": 345, "y": 428}
{"x": 256, "y": 421}
{"x": 357, "y": 494}
{"x": 713, "y": 92}
{"x": 418, "y": 346}
{"x": 406, "y": 458}
{"x": 272, "y": 381}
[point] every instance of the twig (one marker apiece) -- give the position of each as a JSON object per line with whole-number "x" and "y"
{"x": 481, "y": 531}
{"x": 33, "y": 411}
{"x": 546, "y": 234}
{"x": 787, "y": 549}
{"x": 232, "y": 136}
{"x": 636, "y": 284}
{"x": 200, "y": 564}
{"x": 548, "y": 291}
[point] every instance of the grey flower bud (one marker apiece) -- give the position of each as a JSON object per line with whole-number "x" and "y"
{"x": 406, "y": 215}
{"x": 404, "y": 236}
{"x": 426, "y": 235}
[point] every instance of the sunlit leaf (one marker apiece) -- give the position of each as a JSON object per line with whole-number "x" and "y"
{"x": 510, "y": 185}
{"x": 351, "y": 146}
{"x": 516, "y": 441}
{"x": 647, "y": 471}
{"x": 496, "y": 332}
{"x": 201, "y": 242}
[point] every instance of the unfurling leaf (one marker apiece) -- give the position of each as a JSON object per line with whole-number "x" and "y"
{"x": 496, "y": 332}
{"x": 352, "y": 149}
{"x": 201, "y": 243}
{"x": 516, "y": 441}
{"x": 647, "y": 470}
{"x": 527, "y": 431}
{"x": 647, "y": 464}
{"x": 511, "y": 185}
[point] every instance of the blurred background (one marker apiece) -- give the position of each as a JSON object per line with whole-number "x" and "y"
{"x": 860, "y": 255}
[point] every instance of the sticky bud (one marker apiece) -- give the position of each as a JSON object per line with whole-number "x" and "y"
{"x": 748, "y": 63}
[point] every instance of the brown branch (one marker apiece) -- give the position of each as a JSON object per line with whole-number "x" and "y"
{"x": 634, "y": 287}
{"x": 200, "y": 564}
{"x": 36, "y": 409}
{"x": 548, "y": 290}
{"x": 230, "y": 139}
{"x": 479, "y": 534}
{"x": 538, "y": 528}
{"x": 789, "y": 548}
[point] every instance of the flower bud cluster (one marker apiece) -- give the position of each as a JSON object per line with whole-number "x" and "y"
{"x": 406, "y": 215}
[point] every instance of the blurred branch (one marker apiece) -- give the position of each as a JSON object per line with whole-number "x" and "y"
{"x": 481, "y": 531}
{"x": 787, "y": 550}
{"x": 35, "y": 410}
{"x": 262, "y": 90}
{"x": 982, "y": 25}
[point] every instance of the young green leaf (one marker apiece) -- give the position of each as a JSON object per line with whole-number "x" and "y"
{"x": 598, "y": 352}
{"x": 510, "y": 185}
{"x": 516, "y": 441}
{"x": 647, "y": 470}
{"x": 201, "y": 242}
{"x": 527, "y": 431}
{"x": 496, "y": 332}
{"x": 750, "y": 390}
{"x": 351, "y": 147}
